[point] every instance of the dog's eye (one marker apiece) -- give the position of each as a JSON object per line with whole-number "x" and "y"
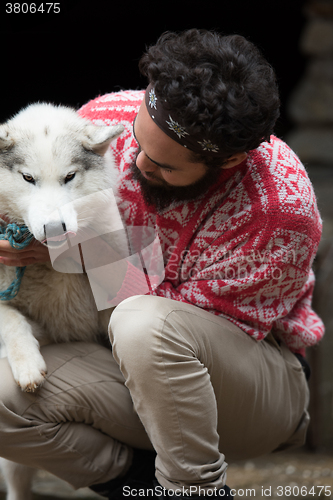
{"x": 70, "y": 177}
{"x": 28, "y": 178}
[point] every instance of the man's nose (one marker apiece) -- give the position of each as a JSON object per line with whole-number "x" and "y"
{"x": 143, "y": 163}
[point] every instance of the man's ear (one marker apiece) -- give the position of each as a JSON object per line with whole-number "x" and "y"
{"x": 234, "y": 160}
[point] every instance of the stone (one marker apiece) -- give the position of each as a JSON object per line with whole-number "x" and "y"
{"x": 319, "y": 8}
{"x": 317, "y": 38}
{"x": 312, "y": 100}
{"x": 321, "y": 68}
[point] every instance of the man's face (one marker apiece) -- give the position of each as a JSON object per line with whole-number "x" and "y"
{"x": 163, "y": 167}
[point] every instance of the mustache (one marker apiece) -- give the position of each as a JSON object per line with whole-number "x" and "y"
{"x": 140, "y": 177}
{"x": 161, "y": 194}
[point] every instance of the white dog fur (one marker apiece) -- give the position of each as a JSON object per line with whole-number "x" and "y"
{"x": 50, "y": 158}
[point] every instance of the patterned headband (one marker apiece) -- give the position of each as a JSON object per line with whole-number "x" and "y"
{"x": 168, "y": 123}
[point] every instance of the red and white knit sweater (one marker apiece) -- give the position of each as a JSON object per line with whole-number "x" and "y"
{"x": 244, "y": 250}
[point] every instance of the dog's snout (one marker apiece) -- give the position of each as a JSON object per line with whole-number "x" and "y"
{"x": 56, "y": 234}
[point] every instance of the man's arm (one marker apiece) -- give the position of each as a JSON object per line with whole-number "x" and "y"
{"x": 124, "y": 280}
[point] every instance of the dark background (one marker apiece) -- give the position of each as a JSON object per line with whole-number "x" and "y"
{"x": 92, "y": 47}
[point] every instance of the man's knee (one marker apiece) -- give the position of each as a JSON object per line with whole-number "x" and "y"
{"x": 132, "y": 316}
{"x": 136, "y": 325}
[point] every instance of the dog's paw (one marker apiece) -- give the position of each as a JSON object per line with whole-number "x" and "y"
{"x": 30, "y": 373}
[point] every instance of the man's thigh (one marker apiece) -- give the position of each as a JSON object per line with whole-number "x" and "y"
{"x": 83, "y": 384}
{"x": 260, "y": 388}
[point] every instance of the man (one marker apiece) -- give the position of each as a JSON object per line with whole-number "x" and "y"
{"x": 211, "y": 360}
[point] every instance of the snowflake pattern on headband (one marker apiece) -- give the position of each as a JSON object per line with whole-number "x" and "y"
{"x": 159, "y": 112}
{"x": 152, "y": 99}
{"x": 208, "y": 146}
{"x": 176, "y": 128}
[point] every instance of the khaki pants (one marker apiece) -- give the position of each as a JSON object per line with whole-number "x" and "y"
{"x": 202, "y": 388}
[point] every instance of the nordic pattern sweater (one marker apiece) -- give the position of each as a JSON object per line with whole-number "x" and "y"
{"x": 244, "y": 249}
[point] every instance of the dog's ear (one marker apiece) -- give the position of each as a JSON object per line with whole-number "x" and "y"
{"x": 6, "y": 141}
{"x": 98, "y": 139}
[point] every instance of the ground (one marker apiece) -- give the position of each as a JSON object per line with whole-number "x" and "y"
{"x": 278, "y": 476}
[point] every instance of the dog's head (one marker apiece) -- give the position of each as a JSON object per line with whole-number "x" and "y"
{"x": 50, "y": 158}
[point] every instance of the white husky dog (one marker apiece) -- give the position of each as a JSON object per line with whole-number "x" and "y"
{"x": 51, "y": 160}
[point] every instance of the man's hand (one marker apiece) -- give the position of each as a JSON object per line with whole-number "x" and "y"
{"x": 33, "y": 254}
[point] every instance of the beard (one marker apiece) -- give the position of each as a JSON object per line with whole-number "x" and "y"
{"x": 163, "y": 194}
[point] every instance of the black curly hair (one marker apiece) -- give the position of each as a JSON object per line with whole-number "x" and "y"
{"x": 220, "y": 86}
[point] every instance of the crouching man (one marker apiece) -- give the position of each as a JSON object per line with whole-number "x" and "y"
{"x": 208, "y": 367}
